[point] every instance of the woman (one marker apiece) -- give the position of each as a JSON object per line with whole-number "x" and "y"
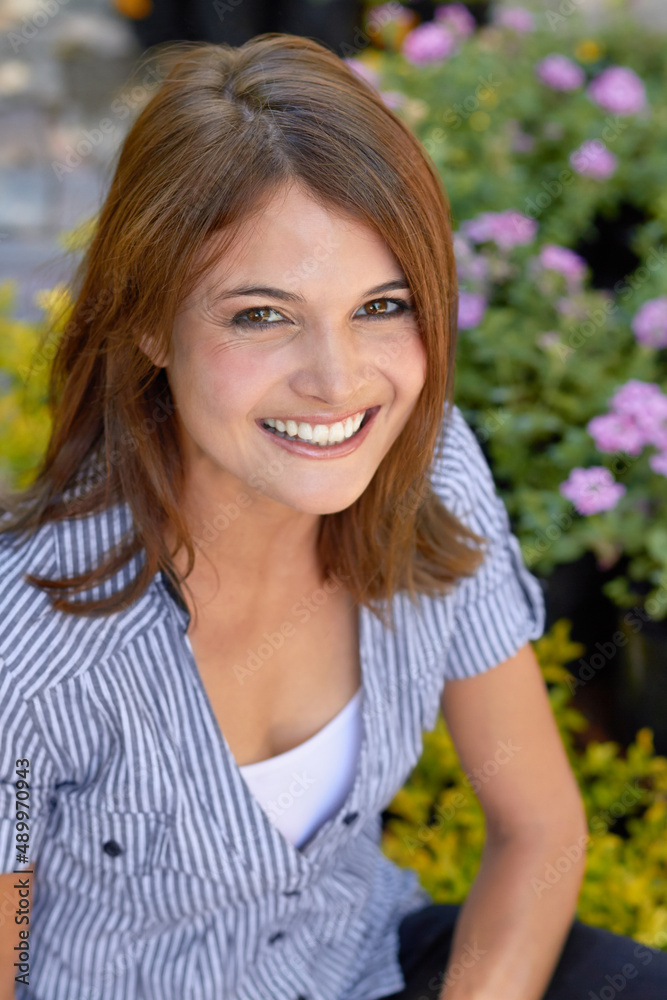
{"x": 243, "y": 582}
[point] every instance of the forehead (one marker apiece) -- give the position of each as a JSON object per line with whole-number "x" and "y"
{"x": 294, "y": 236}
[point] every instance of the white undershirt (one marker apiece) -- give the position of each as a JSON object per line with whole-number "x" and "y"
{"x": 303, "y": 787}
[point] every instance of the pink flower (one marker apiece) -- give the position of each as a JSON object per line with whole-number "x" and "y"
{"x": 638, "y": 418}
{"x": 428, "y": 43}
{"x": 470, "y": 266}
{"x": 659, "y": 463}
{"x": 507, "y": 229}
{"x": 616, "y": 432}
{"x": 593, "y": 159}
{"x": 619, "y": 90}
{"x": 559, "y": 72}
{"x": 516, "y": 18}
{"x": 592, "y": 490}
{"x": 566, "y": 262}
{"x": 514, "y": 229}
{"x": 388, "y": 13}
{"x": 650, "y": 322}
{"x": 472, "y": 307}
{"x": 393, "y": 98}
{"x": 481, "y": 228}
{"x": 456, "y": 17}
{"x": 634, "y": 395}
{"x": 362, "y": 70}
{"x": 652, "y": 421}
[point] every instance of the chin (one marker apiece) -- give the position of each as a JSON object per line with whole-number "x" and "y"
{"x": 323, "y": 505}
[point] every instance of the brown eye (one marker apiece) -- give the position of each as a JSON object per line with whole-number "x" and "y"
{"x": 383, "y": 312}
{"x": 373, "y": 305}
{"x": 256, "y": 316}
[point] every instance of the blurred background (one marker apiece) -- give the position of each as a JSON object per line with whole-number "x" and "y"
{"x": 548, "y": 123}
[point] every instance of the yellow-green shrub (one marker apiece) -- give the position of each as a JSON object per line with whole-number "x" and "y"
{"x": 435, "y": 823}
{"x": 26, "y": 349}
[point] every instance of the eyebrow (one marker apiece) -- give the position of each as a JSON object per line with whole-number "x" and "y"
{"x": 280, "y": 293}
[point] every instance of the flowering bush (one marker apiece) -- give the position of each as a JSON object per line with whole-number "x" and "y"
{"x": 539, "y": 133}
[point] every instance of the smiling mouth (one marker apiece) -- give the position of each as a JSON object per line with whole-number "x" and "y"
{"x": 319, "y": 433}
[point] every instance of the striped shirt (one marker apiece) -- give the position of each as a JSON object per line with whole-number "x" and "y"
{"x": 158, "y": 874}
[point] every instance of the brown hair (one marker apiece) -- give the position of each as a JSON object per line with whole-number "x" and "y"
{"x": 225, "y": 128}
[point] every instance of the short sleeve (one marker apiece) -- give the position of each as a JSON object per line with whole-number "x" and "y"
{"x": 500, "y": 607}
{"x": 20, "y": 741}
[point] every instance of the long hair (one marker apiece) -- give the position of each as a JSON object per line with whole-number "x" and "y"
{"x": 226, "y": 127}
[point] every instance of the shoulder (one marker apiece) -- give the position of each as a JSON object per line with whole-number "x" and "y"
{"x": 41, "y": 553}
{"x": 461, "y": 476}
{"x": 21, "y": 555}
{"x": 24, "y": 607}
{"x": 501, "y": 606}
{"x": 41, "y": 646}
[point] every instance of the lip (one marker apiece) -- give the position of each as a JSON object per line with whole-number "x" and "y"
{"x": 323, "y": 418}
{"x": 317, "y": 451}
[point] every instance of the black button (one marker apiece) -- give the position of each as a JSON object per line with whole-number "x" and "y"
{"x": 291, "y": 892}
{"x": 350, "y": 817}
{"x": 274, "y": 937}
{"x": 112, "y": 848}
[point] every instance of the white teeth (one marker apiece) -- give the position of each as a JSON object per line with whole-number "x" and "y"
{"x": 320, "y": 434}
{"x": 336, "y": 433}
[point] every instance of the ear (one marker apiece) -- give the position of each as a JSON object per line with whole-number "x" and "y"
{"x": 148, "y": 345}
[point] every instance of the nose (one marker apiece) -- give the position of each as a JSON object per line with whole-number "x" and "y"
{"x": 333, "y": 365}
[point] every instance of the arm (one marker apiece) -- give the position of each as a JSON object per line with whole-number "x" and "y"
{"x": 513, "y": 924}
{"x": 9, "y": 933}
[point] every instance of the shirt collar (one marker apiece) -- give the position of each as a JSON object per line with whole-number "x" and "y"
{"x": 162, "y": 581}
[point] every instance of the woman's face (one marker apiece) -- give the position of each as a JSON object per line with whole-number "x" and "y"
{"x": 307, "y": 320}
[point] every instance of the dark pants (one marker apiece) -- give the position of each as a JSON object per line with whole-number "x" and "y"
{"x": 594, "y": 963}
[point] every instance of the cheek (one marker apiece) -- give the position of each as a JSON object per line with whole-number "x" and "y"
{"x": 225, "y": 386}
{"x": 406, "y": 367}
